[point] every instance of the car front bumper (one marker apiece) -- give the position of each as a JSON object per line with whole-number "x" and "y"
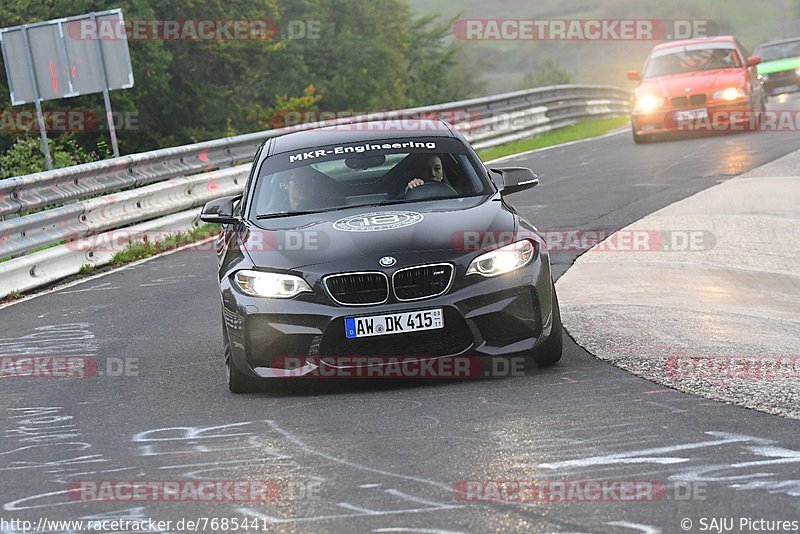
{"x": 781, "y": 82}
{"x": 735, "y": 116}
{"x": 489, "y": 317}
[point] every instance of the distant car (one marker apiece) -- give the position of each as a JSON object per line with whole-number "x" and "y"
{"x": 698, "y": 84}
{"x": 330, "y": 253}
{"x": 780, "y": 65}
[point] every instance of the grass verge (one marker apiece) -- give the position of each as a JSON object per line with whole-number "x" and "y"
{"x": 137, "y": 250}
{"x": 579, "y": 130}
{"x": 140, "y": 250}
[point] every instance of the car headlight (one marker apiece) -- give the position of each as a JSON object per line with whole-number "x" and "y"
{"x": 271, "y": 285}
{"x": 648, "y": 103}
{"x": 503, "y": 260}
{"x": 729, "y": 93}
{"x": 797, "y": 71}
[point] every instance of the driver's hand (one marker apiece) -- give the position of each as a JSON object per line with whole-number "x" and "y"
{"x": 414, "y": 183}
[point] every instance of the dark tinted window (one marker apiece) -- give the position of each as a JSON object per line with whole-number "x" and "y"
{"x": 365, "y": 173}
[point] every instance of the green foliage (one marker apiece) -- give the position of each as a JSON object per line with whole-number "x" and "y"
{"x": 547, "y": 73}
{"x": 358, "y": 55}
{"x": 14, "y": 295}
{"x": 103, "y": 149}
{"x": 293, "y": 108}
{"x": 438, "y": 70}
{"x": 25, "y": 156}
{"x": 138, "y": 250}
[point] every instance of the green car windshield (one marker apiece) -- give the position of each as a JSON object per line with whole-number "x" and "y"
{"x": 771, "y": 52}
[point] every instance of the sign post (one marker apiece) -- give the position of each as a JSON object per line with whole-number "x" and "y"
{"x": 106, "y": 98}
{"x": 67, "y": 57}
{"x": 39, "y": 115}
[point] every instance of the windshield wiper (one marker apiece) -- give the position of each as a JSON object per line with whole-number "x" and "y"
{"x": 389, "y": 203}
{"x": 285, "y": 214}
{"x": 280, "y": 214}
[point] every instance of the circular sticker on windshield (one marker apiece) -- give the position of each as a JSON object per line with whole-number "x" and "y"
{"x": 378, "y": 221}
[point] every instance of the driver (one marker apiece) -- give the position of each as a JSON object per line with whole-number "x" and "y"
{"x": 304, "y": 190}
{"x": 301, "y": 190}
{"x": 426, "y": 168}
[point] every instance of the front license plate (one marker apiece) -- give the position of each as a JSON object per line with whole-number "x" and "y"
{"x": 393, "y": 323}
{"x": 691, "y": 114}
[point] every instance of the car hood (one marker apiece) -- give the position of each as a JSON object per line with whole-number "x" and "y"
{"x": 357, "y": 238}
{"x": 778, "y": 65}
{"x": 704, "y": 81}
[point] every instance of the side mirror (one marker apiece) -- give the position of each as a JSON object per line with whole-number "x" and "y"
{"x": 515, "y": 179}
{"x": 220, "y": 211}
{"x": 633, "y": 75}
{"x": 752, "y": 61}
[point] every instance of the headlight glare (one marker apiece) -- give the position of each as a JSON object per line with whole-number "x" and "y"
{"x": 503, "y": 260}
{"x": 729, "y": 93}
{"x": 648, "y": 103}
{"x": 270, "y": 285}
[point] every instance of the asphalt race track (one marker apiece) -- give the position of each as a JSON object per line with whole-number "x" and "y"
{"x": 385, "y": 456}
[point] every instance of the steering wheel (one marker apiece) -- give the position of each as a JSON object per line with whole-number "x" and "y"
{"x": 430, "y": 190}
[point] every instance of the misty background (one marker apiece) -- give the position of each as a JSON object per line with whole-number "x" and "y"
{"x": 509, "y": 65}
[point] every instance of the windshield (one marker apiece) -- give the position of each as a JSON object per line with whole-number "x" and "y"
{"x": 689, "y": 59}
{"x": 365, "y": 174}
{"x": 778, "y": 51}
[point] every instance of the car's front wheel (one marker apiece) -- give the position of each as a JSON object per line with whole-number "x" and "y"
{"x": 238, "y": 382}
{"x": 758, "y": 110}
{"x": 550, "y": 351}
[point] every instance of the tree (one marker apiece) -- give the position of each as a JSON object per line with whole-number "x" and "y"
{"x": 26, "y": 157}
{"x": 357, "y": 55}
{"x": 548, "y": 73}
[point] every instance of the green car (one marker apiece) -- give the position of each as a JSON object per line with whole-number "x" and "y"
{"x": 780, "y": 65}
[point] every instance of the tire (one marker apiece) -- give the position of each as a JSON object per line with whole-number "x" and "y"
{"x": 762, "y": 108}
{"x": 237, "y": 381}
{"x": 640, "y": 139}
{"x": 549, "y": 353}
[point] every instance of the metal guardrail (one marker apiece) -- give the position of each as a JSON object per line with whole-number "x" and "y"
{"x": 153, "y": 189}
